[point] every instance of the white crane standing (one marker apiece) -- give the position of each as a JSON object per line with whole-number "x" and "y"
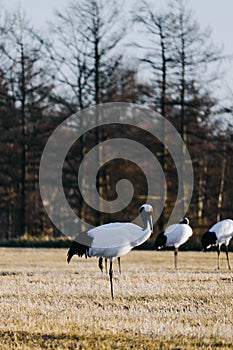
{"x": 113, "y": 240}
{"x": 218, "y": 234}
{"x": 174, "y": 236}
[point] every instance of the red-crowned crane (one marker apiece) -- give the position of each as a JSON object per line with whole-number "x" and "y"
{"x": 113, "y": 240}
{"x": 174, "y": 236}
{"x": 218, "y": 234}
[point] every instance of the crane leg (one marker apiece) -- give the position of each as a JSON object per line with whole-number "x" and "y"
{"x": 119, "y": 264}
{"x": 101, "y": 264}
{"x": 175, "y": 257}
{"x": 106, "y": 265}
{"x": 218, "y": 251}
{"x": 110, "y": 277}
{"x": 228, "y": 261}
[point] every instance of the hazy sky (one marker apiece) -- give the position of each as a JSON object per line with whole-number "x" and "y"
{"x": 216, "y": 13}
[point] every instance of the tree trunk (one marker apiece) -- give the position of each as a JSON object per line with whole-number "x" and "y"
{"x": 23, "y": 150}
{"x": 222, "y": 182}
{"x": 163, "y": 112}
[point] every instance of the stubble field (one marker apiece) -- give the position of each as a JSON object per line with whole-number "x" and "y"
{"x": 47, "y": 304}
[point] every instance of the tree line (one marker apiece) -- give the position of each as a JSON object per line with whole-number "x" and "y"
{"x": 170, "y": 64}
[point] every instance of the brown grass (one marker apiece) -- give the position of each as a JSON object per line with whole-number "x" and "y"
{"x": 47, "y": 304}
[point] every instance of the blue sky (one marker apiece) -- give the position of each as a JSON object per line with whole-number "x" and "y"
{"x": 216, "y": 14}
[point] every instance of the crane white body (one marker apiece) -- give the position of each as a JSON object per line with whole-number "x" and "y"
{"x": 174, "y": 236}
{"x": 177, "y": 234}
{"x": 116, "y": 239}
{"x": 220, "y": 233}
{"x": 112, "y": 240}
{"x": 223, "y": 230}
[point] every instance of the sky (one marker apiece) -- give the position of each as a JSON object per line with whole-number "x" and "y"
{"x": 217, "y": 14}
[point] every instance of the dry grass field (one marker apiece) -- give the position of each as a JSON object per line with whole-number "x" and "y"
{"x": 47, "y": 304}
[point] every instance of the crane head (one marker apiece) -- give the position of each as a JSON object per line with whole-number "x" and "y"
{"x": 147, "y": 208}
{"x": 184, "y": 221}
{"x": 146, "y": 211}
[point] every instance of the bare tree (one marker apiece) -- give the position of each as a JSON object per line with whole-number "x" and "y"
{"x": 193, "y": 54}
{"x": 156, "y": 26}
{"x": 27, "y": 90}
{"x": 85, "y": 55}
{"x": 84, "y": 49}
{"x": 180, "y": 57}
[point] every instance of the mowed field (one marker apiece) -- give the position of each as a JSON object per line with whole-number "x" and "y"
{"x": 47, "y": 304}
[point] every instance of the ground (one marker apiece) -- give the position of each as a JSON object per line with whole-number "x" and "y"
{"x": 47, "y": 304}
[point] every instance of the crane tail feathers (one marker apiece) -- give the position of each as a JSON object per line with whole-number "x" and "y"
{"x": 208, "y": 239}
{"x": 160, "y": 241}
{"x": 78, "y": 249}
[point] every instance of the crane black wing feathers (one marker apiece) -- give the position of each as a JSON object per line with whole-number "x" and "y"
{"x": 80, "y": 246}
{"x": 160, "y": 241}
{"x": 208, "y": 239}
{"x": 76, "y": 248}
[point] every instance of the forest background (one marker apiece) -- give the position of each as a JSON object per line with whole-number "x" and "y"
{"x": 82, "y": 59}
